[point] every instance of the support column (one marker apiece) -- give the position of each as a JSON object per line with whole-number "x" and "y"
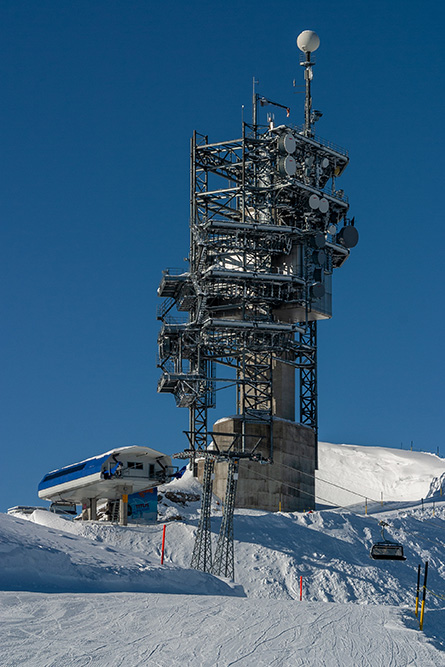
{"x": 308, "y": 381}
{"x": 123, "y": 510}
{"x": 92, "y": 509}
{"x": 198, "y": 429}
{"x": 202, "y": 550}
{"x": 85, "y": 510}
{"x": 224, "y": 563}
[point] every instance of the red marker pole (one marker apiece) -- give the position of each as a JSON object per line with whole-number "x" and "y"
{"x": 301, "y": 588}
{"x": 163, "y": 545}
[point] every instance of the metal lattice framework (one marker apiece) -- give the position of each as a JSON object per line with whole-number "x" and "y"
{"x": 202, "y": 551}
{"x": 308, "y": 379}
{"x": 268, "y": 226}
{"x": 224, "y": 562}
{"x": 265, "y": 240}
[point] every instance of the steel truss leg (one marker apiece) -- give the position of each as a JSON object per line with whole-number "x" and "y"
{"x": 308, "y": 382}
{"x": 224, "y": 562}
{"x": 202, "y": 550}
{"x": 255, "y": 393}
{"x": 255, "y": 372}
{"x": 198, "y": 429}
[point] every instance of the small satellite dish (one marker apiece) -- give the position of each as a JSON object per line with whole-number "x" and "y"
{"x": 325, "y": 163}
{"x": 317, "y": 290}
{"x": 332, "y": 229}
{"x": 287, "y": 143}
{"x": 308, "y": 41}
{"x": 287, "y": 166}
{"x": 319, "y": 257}
{"x": 324, "y": 205}
{"x": 309, "y": 161}
{"x": 314, "y": 202}
{"x": 348, "y": 236}
{"x": 318, "y": 240}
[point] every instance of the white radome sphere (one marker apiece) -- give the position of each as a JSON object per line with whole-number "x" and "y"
{"x": 308, "y": 41}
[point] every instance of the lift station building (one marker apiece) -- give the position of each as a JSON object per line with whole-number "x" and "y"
{"x": 126, "y": 477}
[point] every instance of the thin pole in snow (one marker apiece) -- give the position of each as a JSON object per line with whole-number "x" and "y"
{"x": 163, "y": 545}
{"x": 417, "y": 591}
{"x": 422, "y": 608}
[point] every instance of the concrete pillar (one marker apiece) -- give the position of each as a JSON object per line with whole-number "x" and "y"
{"x": 123, "y": 510}
{"x": 283, "y": 390}
{"x": 92, "y": 510}
{"x": 289, "y": 479}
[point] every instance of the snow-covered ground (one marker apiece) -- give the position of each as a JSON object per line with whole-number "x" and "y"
{"x": 376, "y": 473}
{"x": 122, "y": 629}
{"x": 81, "y": 593}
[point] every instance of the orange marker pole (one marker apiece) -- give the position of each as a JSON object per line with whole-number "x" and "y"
{"x": 301, "y": 588}
{"x": 163, "y": 545}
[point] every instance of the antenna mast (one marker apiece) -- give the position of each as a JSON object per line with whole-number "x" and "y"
{"x": 254, "y": 106}
{"x": 308, "y": 41}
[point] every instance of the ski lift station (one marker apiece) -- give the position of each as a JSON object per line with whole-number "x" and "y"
{"x": 119, "y": 476}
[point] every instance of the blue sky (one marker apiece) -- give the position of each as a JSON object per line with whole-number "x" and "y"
{"x": 99, "y": 100}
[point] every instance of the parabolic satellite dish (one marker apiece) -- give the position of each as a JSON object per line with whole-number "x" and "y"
{"x": 308, "y": 41}
{"x": 323, "y": 205}
{"x": 314, "y": 202}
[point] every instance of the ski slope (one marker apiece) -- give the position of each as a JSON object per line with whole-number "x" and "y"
{"x": 118, "y": 630}
{"x": 85, "y": 593}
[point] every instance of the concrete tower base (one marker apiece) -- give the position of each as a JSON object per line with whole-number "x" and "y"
{"x": 265, "y": 486}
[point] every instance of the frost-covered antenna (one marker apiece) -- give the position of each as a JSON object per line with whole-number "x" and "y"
{"x": 308, "y": 41}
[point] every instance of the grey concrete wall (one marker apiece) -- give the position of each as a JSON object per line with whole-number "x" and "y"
{"x": 283, "y": 390}
{"x": 263, "y": 486}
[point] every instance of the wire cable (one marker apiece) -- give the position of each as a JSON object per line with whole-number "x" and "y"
{"x": 347, "y": 509}
{"x": 308, "y": 474}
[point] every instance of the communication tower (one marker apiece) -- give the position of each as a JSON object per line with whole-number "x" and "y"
{"x": 268, "y": 227}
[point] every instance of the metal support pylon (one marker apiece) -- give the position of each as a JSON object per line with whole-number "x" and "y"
{"x": 308, "y": 381}
{"x": 224, "y": 562}
{"x": 202, "y": 550}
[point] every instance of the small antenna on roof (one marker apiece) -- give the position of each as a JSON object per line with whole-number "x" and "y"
{"x": 308, "y": 41}
{"x": 254, "y": 106}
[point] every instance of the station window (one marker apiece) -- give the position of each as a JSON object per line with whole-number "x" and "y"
{"x": 135, "y": 465}
{"x": 151, "y": 470}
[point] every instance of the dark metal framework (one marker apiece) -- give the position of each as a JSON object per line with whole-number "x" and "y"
{"x": 268, "y": 226}
{"x": 202, "y": 550}
{"x": 224, "y": 563}
{"x": 308, "y": 379}
{"x": 265, "y": 236}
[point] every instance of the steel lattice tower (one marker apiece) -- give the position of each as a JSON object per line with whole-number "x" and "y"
{"x": 268, "y": 227}
{"x": 202, "y": 551}
{"x": 224, "y": 562}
